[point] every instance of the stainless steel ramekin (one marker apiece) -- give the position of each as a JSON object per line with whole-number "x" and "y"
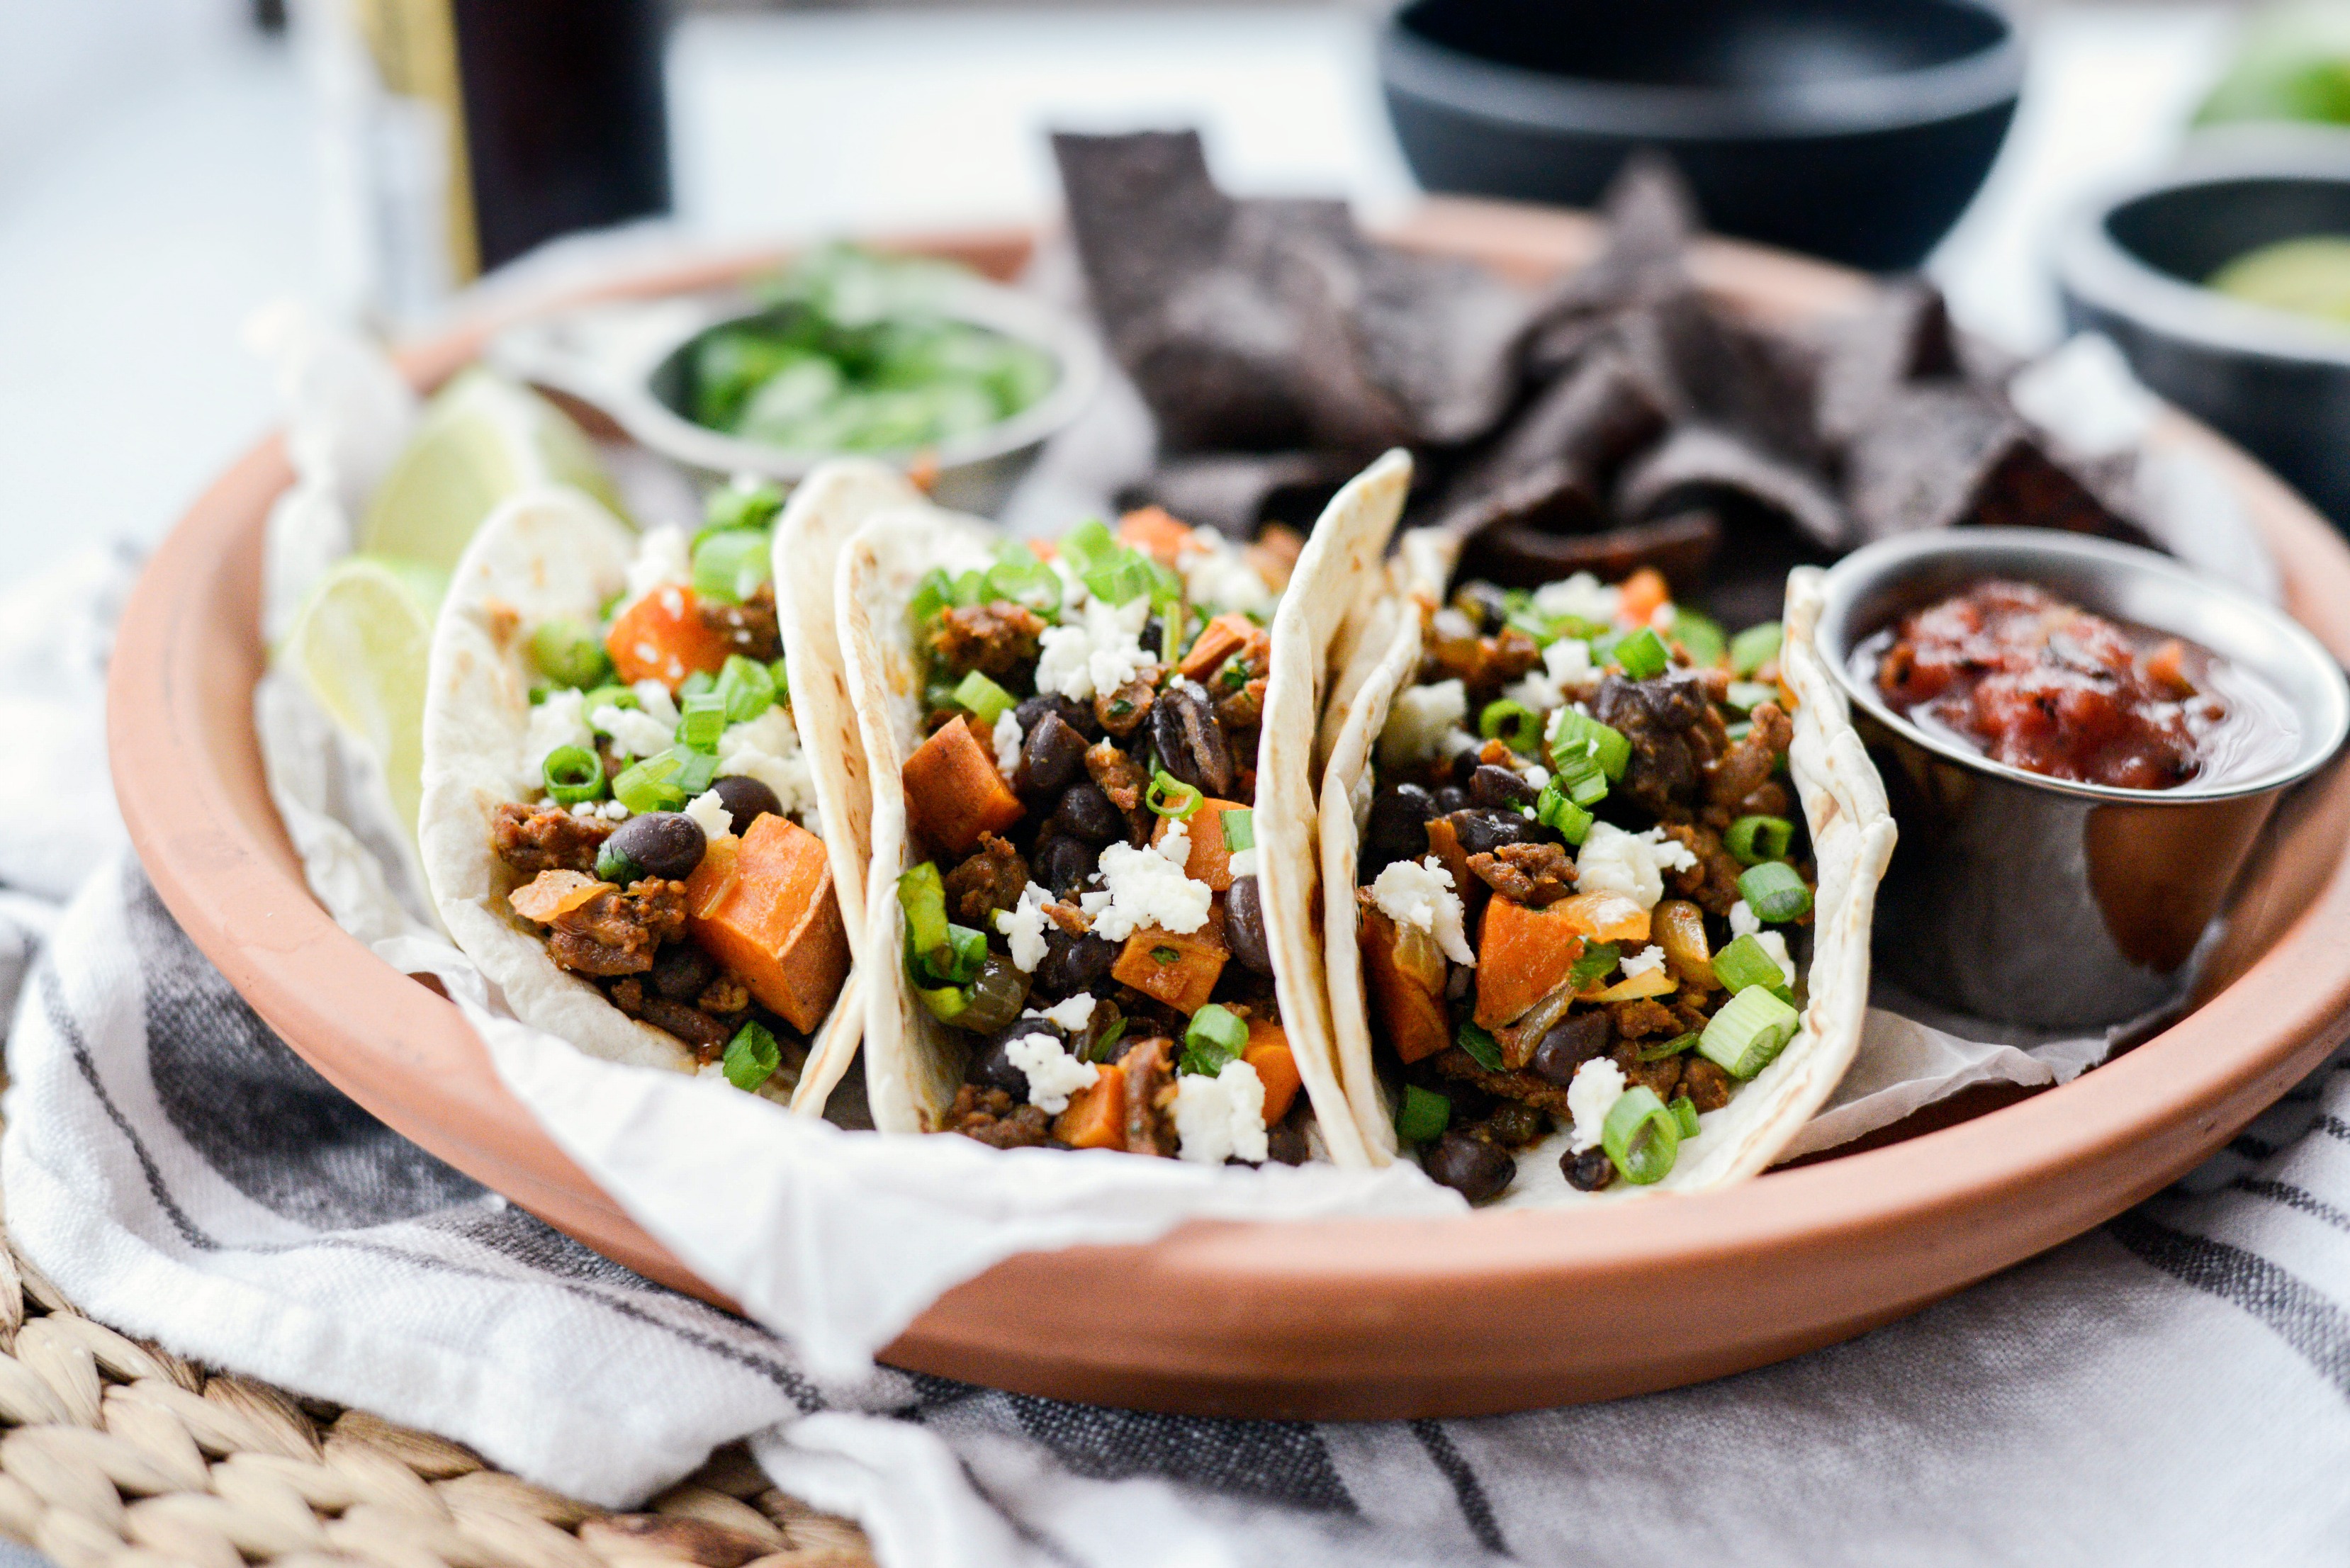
{"x": 2036, "y": 900}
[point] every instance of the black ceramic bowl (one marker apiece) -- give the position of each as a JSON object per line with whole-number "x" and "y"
{"x": 1856, "y": 130}
{"x": 2131, "y": 266}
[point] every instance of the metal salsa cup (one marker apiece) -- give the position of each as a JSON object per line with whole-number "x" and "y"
{"x": 2037, "y": 900}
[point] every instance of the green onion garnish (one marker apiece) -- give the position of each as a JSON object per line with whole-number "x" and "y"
{"x": 966, "y": 951}
{"x": 697, "y": 683}
{"x": 1087, "y": 544}
{"x": 1423, "y": 1116}
{"x": 1513, "y": 722}
{"x": 946, "y": 1003}
{"x": 647, "y": 784}
{"x": 1554, "y": 809}
{"x": 540, "y": 690}
{"x": 1747, "y": 695}
{"x": 1580, "y": 740}
{"x": 1745, "y": 963}
{"x": 1121, "y": 577}
{"x": 696, "y": 770}
{"x": 1171, "y": 797}
{"x": 752, "y": 1056}
{"x": 1673, "y": 1047}
{"x": 1216, "y": 1037}
{"x": 1479, "y": 1044}
{"x": 729, "y": 567}
{"x": 1700, "y": 637}
{"x": 746, "y": 687}
{"x": 1641, "y": 1136}
{"x": 934, "y": 593}
{"x": 1684, "y": 1110}
{"x": 1018, "y": 575}
{"x": 1643, "y": 654}
{"x": 782, "y": 676}
{"x": 701, "y": 720}
{"x": 1240, "y": 830}
{"x": 572, "y": 773}
{"x": 1754, "y": 839}
{"x": 922, "y": 894}
{"x": 1738, "y": 730}
{"x": 984, "y": 698}
{"x": 970, "y": 588}
{"x": 614, "y": 867}
{"x": 1775, "y": 891}
{"x": 1755, "y": 647}
{"x": 569, "y": 654}
{"x": 752, "y": 506}
{"x": 1752, "y": 1028}
{"x": 1593, "y": 966}
{"x": 1586, "y": 787}
{"x": 609, "y": 697}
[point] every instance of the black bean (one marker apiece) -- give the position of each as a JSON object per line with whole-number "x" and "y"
{"x": 1450, "y": 798}
{"x": 681, "y": 972}
{"x": 744, "y": 798}
{"x": 1190, "y": 743}
{"x": 1051, "y": 755}
{"x": 1078, "y": 716}
{"x": 1571, "y": 1042}
{"x": 1515, "y": 1124}
{"x": 666, "y": 844}
{"x": 1084, "y": 812}
{"x": 1464, "y": 764}
{"x": 1062, "y": 864}
{"x": 1677, "y": 698}
{"x": 1286, "y": 1145}
{"x": 1482, "y": 603}
{"x": 1072, "y": 964}
{"x": 1470, "y": 1166}
{"x": 1589, "y": 1171}
{"x": 993, "y": 1069}
{"x": 1397, "y": 829}
{"x": 1501, "y": 788}
{"x": 1482, "y": 831}
{"x": 1244, "y": 926}
{"x": 1154, "y": 637}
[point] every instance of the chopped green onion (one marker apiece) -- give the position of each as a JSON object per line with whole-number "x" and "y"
{"x": 1757, "y": 839}
{"x": 752, "y": 1056}
{"x": 1684, "y": 1110}
{"x": 1755, "y": 647}
{"x": 1240, "y": 830}
{"x": 781, "y": 674}
{"x": 1641, "y": 1136}
{"x": 922, "y": 895}
{"x": 1743, "y": 963}
{"x": 1514, "y": 722}
{"x": 746, "y": 687}
{"x": 739, "y": 505}
{"x": 697, "y": 683}
{"x": 1593, "y": 966}
{"x": 966, "y": 951}
{"x": 1747, "y": 695}
{"x": 540, "y": 690}
{"x": 615, "y": 867}
{"x": 934, "y": 593}
{"x": 1643, "y": 654}
{"x": 609, "y": 697}
{"x": 1752, "y": 1028}
{"x": 1216, "y": 1037}
{"x": 1775, "y": 891}
{"x": 1122, "y": 579}
{"x": 1018, "y": 575}
{"x": 1171, "y": 797}
{"x": 572, "y": 773}
{"x": 1554, "y": 809}
{"x": 696, "y": 770}
{"x": 970, "y": 588}
{"x": 1087, "y": 544}
{"x": 569, "y": 654}
{"x": 1673, "y": 1047}
{"x": 984, "y": 698}
{"x": 1603, "y": 647}
{"x": 946, "y": 1003}
{"x": 1423, "y": 1116}
{"x": 646, "y": 784}
{"x": 1578, "y": 738}
{"x": 1479, "y": 1044}
{"x": 1739, "y": 731}
{"x": 729, "y": 567}
{"x": 1700, "y": 637}
{"x": 702, "y": 720}
{"x": 1586, "y": 789}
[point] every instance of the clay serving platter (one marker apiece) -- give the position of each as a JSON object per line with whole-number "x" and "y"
{"x": 1335, "y": 1319}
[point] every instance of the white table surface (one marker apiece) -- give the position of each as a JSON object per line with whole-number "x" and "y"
{"x": 157, "y": 182}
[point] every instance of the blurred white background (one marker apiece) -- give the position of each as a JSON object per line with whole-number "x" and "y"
{"x": 158, "y": 180}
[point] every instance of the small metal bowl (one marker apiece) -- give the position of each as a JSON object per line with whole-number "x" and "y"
{"x": 629, "y": 360}
{"x": 2036, "y": 900}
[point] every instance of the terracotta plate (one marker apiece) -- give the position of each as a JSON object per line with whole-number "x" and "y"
{"x": 1360, "y": 1318}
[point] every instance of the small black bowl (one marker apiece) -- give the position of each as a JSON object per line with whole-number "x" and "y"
{"x": 2132, "y": 266}
{"x": 1855, "y": 129}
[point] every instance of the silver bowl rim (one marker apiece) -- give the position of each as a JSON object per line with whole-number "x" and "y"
{"x": 1874, "y": 565}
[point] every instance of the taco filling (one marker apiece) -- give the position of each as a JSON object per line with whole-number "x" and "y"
{"x": 673, "y": 858}
{"x": 1580, "y": 870}
{"x": 1083, "y": 900}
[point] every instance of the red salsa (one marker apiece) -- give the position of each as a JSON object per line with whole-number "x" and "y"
{"x": 2037, "y": 683}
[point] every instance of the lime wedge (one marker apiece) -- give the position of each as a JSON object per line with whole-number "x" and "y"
{"x": 360, "y": 642}
{"x": 482, "y": 439}
{"x": 2308, "y": 276}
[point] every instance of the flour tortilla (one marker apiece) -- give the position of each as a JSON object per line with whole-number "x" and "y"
{"x": 914, "y": 1063}
{"x": 1851, "y": 835}
{"x": 545, "y": 553}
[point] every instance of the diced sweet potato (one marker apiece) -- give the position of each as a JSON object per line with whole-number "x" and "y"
{"x": 1605, "y": 917}
{"x": 553, "y": 893}
{"x": 1155, "y": 533}
{"x": 1210, "y": 861}
{"x": 1403, "y": 975}
{"x": 1445, "y": 845}
{"x": 1277, "y": 1068}
{"x": 1645, "y": 592}
{"x": 1525, "y": 955}
{"x": 1178, "y": 969}
{"x": 662, "y": 638}
{"x": 1096, "y": 1114}
{"x": 953, "y": 792}
{"x": 771, "y": 917}
{"x": 1218, "y": 641}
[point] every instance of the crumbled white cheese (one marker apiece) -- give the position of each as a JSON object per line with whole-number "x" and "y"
{"x": 768, "y": 749}
{"x": 1568, "y": 662}
{"x": 1538, "y": 774}
{"x": 1582, "y": 596}
{"x": 1418, "y": 720}
{"x": 615, "y": 812}
{"x": 1457, "y": 739}
{"x": 1641, "y": 962}
{"x": 709, "y": 814}
{"x": 1421, "y": 894}
{"x": 1099, "y": 654}
{"x": 1775, "y": 944}
{"x": 1053, "y": 1074}
{"x": 1218, "y": 1117}
{"x": 1663, "y": 615}
{"x": 663, "y": 556}
{"x": 1216, "y": 576}
{"x": 1007, "y": 738}
{"x": 1597, "y": 1084}
{"x": 635, "y": 733}
{"x": 1671, "y": 853}
{"x": 560, "y": 721}
{"x": 1023, "y": 925}
{"x": 653, "y": 697}
{"x": 1244, "y": 863}
{"x": 1744, "y": 921}
{"x": 1071, "y": 1017}
{"x": 585, "y": 808}
{"x": 1537, "y": 691}
{"x": 1632, "y": 864}
{"x": 1148, "y": 887}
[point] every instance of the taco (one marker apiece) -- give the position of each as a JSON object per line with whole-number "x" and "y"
{"x": 1089, "y": 911}
{"x": 621, "y": 824}
{"x": 1593, "y": 946}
